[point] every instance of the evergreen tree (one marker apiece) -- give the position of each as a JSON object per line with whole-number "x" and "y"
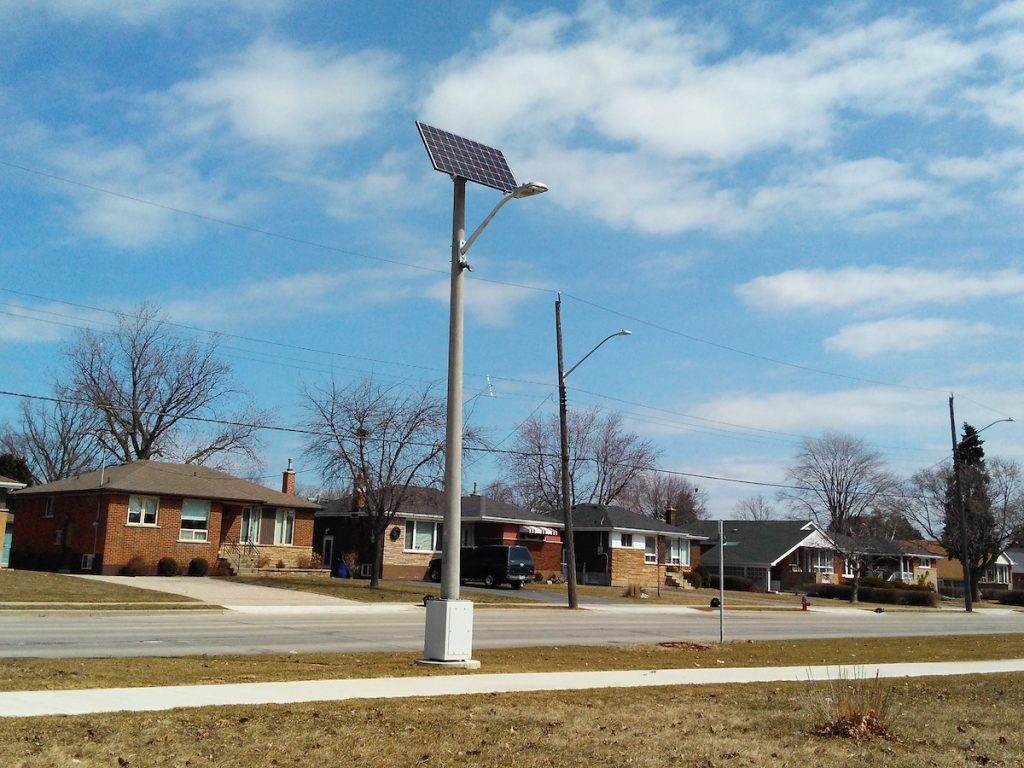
{"x": 14, "y": 467}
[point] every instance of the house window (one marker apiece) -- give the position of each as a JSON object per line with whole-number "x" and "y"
{"x": 823, "y": 562}
{"x": 58, "y": 536}
{"x": 650, "y": 549}
{"x": 48, "y": 509}
{"x": 284, "y": 526}
{"x": 142, "y": 510}
{"x": 423, "y": 536}
{"x": 195, "y": 520}
{"x": 250, "y": 533}
{"x": 626, "y": 540}
{"x": 677, "y": 552}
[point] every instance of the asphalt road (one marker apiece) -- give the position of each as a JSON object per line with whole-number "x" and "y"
{"x": 376, "y": 628}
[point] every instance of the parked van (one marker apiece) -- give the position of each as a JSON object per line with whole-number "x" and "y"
{"x": 492, "y": 565}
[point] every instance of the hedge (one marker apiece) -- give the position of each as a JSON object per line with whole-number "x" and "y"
{"x": 886, "y": 595}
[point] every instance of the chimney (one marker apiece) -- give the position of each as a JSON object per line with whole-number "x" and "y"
{"x": 288, "y": 480}
{"x": 670, "y": 515}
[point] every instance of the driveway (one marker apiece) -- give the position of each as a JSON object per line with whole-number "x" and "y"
{"x": 244, "y": 598}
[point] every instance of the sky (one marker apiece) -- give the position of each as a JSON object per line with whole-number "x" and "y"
{"x": 807, "y": 213}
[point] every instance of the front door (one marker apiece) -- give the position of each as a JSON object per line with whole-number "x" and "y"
{"x": 327, "y": 552}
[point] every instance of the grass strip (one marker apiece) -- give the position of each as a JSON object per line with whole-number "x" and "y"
{"x": 63, "y": 674}
{"x": 35, "y": 588}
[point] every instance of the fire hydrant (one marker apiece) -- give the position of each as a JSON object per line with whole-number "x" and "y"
{"x": 803, "y": 602}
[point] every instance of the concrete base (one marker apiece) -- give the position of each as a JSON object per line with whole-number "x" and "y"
{"x": 468, "y": 664}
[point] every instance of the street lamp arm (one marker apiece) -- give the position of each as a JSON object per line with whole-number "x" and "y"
{"x": 525, "y": 190}
{"x": 997, "y": 421}
{"x": 623, "y": 332}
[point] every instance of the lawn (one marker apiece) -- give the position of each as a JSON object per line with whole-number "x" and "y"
{"x": 386, "y": 592}
{"x": 941, "y": 723}
{"x": 57, "y": 674}
{"x": 35, "y": 589}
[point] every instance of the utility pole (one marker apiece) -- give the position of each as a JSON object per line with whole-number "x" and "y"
{"x": 958, "y": 492}
{"x": 563, "y": 426}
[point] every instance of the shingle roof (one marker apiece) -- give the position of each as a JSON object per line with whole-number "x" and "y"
{"x": 878, "y": 546}
{"x": 164, "y": 479}
{"x": 430, "y": 502}
{"x": 751, "y": 542}
{"x": 609, "y": 516}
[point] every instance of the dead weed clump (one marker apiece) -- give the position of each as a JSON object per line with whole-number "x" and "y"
{"x": 853, "y": 706}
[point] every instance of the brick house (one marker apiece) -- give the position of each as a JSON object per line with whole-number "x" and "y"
{"x": 414, "y": 536}
{"x": 616, "y": 546}
{"x": 6, "y": 518}
{"x": 98, "y": 521}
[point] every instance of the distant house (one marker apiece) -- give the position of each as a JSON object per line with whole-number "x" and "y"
{"x": 889, "y": 559}
{"x": 99, "y": 521}
{"x": 415, "y": 534}
{"x": 950, "y": 571}
{"x": 776, "y": 555}
{"x": 1016, "y": 558}
{"x": 6, "y": 518}
{"x": 616, "y": 546}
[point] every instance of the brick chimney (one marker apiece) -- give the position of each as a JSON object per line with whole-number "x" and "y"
{"x": 288, "y": 480}
{"x": 670, "y": 515}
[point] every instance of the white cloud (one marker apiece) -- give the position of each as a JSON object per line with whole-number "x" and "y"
{"x": 488, "y": 303}
{"x": 276, "y": 93}
{"x": 857, "y": 410}
{"x": 875, "y": 287}
{"x": 905, "y": 334}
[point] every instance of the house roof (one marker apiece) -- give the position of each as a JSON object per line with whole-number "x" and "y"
{"x": 164, "y": 479}
{"x": 429, "y": 502}
{"x": 881, "y": 547}
{"x": 605, "y": 516}
{"x": 6, "y": 482}
{"x": 757, "y": 542}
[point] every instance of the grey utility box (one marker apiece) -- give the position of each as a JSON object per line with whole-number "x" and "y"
{"x": 449, "y": 631}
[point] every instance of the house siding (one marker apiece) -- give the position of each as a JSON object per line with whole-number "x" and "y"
{"x": 628, "y": 567}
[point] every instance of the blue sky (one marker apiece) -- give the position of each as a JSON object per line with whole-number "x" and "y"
{"x": 807, "y": 213}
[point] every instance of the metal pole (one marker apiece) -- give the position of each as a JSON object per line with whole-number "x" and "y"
{"x": 962, "y": 512}
{"x": 563, "y": 421}
{"x": 453, "y": 430}
{"x": 721, "y": 582}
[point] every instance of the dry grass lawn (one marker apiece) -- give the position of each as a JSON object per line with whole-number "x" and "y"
{"x": 32, "y": 589}
{"x": 58, "y": 674}
{"x": 943, "y": 723}
{"x": 387, "y": 592}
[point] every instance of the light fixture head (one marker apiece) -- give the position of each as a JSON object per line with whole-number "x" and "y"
{"x": 529, "y": 189}
{"x": 624, "y": 332}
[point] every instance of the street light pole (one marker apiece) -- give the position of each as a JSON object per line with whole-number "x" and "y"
{"x": 563, "y": 429}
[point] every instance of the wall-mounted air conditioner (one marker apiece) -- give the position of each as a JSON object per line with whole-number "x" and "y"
{"x": 87, "y": 562}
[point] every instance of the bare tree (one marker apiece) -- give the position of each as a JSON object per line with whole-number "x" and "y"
{"x": 837, "y": 481}
{"x": 56, "y": 439}
{"x": 652, "y": 493}
{"x": 755, "y": 508}
{"x": 604, "y": 458}
{"x": 382, "y": 441}
{"x": 152, "y": 388}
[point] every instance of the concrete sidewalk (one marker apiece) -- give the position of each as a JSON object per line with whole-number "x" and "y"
{"x": 78, "y": 702}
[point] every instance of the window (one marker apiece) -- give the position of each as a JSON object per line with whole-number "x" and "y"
{"x": 284, "y": 526}
{"x": 650, "y": 549}
{"x": 423, "y": 536}
{"x": 195, "y": 520}
{"x": 250, "y": 532}
{"x": 677, "y": 552}
{"x": 142, "y": 510}
{"x": 58, "y": 536}
{"x": 48, "y": 509}
{"x": 823, "y": 562}
{"x": 626, "y": 539}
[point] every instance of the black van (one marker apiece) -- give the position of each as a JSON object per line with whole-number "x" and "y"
{"x": 492, "y": 565}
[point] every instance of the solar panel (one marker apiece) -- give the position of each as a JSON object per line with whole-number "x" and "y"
{"x": 467, "y": 159}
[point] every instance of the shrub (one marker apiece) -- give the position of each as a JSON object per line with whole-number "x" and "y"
{"x": 167, "y": 566}
{"x": 1008, "y": 597}
{"x": 198, "y": 567}
{"x": 280, "y": 564}
{"x": 695, "y": 579}
{"x": 854, "y": 707}
{"x": 311, "y": 561}
{"x": 705, "y": 576}
{"x": 733, "y": 583}
{"x": 136, "y": 566}
{"x": 222, "y": 568}
{"x": 886, "y": 595}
